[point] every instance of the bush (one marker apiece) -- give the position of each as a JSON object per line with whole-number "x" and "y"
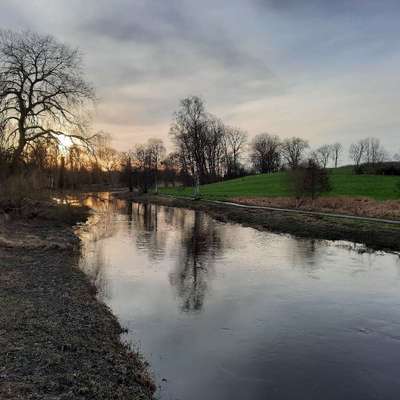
{"x": 17, "y": 191}
{"x": 310, "y": 180}
{"x": 389, "y": 168}
{"x": 384, "y": 168}
{"x": 25, "y": 195}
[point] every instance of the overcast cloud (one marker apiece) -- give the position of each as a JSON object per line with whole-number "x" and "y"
{"x": 324, "y": 70}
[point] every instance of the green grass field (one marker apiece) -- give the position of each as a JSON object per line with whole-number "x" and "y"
{"x": 344, "y": 183}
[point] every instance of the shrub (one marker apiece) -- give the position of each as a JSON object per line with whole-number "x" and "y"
{"x": 310, "y": 179}
{"x": 17, "y": 191}
{"x": 384, "y": 168}
{"x": 389, "y": 168}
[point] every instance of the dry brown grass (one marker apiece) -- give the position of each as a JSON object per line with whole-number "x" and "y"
{"x": 360, "y": 206}
{"x": 26, "y": 196}
{"x": 19, "y": 190}
{"x": 57, "y": 341}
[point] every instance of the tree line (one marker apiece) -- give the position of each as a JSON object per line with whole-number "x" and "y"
{"x": 44, "y": 126}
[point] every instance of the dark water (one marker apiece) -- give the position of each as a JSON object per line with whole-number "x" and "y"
{"x": 221, "y": 311}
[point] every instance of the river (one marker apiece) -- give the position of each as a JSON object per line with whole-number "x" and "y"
{"x": 222, "y": 311}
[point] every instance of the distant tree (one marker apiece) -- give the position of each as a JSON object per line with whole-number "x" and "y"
{"x": 336, "y": 150}
{"x": 396, "y": 157}
{"x": 171, "y": 168}
{"x": 42, "y": 90}
{"x": 61, "y": 177}
{"x": 368, "y": 151}
{"x": 108, "y": 159}
{"x": 357, "y": 152}
{"x": 323, "y": 155}
{"x": 157, "y": 152}
{"x": 214, "y": 148}
{"x": 265, "y": 153}
{"x": 293, "y": 151}
{"x": 375, "y": 153}
{"x": 235, "y": 140}
{"x": 143, "y": 161}
{"x": 127, "y": 169}
{"x": 310, "y": 179}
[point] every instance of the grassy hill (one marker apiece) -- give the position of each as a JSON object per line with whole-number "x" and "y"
{"x": 344, "y": 183}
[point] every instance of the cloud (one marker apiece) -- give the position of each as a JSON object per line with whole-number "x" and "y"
{"x": 260, "y": 64}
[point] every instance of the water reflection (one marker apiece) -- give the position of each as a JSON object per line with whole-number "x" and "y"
{"x": 200, "y": 243}
{"x": 227, "y": 312}
{"x": 145, "y": 219}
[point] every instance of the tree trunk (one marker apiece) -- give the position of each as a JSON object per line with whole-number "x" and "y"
{"x": 17, "y": 156}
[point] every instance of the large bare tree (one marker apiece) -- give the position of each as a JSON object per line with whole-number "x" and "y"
{"x": 293, "y": 151}
{"x": 208, "y": 149}
{"x": 188, "y": 131}
{"x": 42, "y": 91}
{"x": 265, "y": 153}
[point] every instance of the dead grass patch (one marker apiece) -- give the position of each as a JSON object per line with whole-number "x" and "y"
{"x": 359, "y": 206}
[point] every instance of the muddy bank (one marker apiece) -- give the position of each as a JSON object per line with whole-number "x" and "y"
{"x": 56, "y": 340}
{"x": 378, "y": 236}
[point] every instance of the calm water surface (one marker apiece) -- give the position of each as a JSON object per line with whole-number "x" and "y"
{"x": 221, "y": 311}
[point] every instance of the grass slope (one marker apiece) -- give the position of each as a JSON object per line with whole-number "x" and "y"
{"x": 344, "y": 183}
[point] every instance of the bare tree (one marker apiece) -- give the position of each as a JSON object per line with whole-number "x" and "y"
{"x": 200, "y": 140}
{"x": 265, "y": 153}
{"x": 214, "y": 149}
{"x": 235, "y": 140}
{"x": 106, "y": 155}
{"x": 127, "y": 169}
{"x": 42, "y": 90}
{"x": 157, "y": 152}
{"x": 357, "y": 152}
{"x": 189, "y": 131}
{"x": 293, "y": 151}
{"x": 323, "y": 155}
{"x": 336, "y": 150}
{"x": 374, "y": 153}
{"x": 143, "y": 161}
{"x": 171, "y": 168}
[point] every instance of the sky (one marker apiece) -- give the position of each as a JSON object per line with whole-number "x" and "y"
{"x": 325, "y": 70}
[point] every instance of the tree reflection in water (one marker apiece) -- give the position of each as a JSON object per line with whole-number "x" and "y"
{"x": 195, "y": 244}
{"x": 149, "y": 238}
{"x": 200, "y": 244}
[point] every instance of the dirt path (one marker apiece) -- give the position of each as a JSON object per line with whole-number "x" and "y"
{"x": 56, "y": 340}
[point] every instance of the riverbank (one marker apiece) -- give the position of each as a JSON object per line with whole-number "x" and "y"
{"x": 57, "y": 341}
{"x": 375, "y": 235}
